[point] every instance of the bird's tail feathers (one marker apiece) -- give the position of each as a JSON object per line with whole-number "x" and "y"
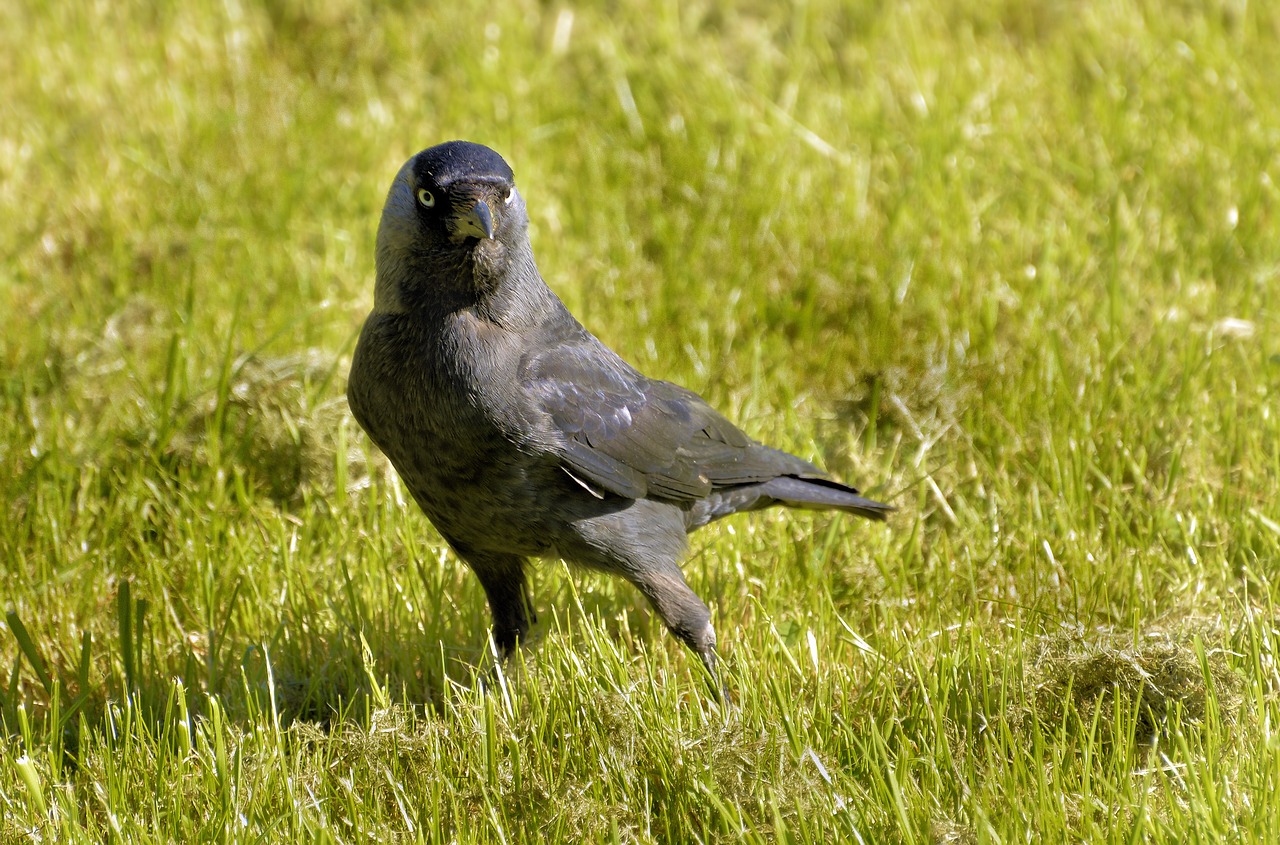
{"x": 824, "y": 494}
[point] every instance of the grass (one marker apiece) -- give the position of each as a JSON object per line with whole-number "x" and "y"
{"x": 1011, "y": 265}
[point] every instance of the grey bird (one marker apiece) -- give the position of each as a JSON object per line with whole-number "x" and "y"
{"x": 519, "y": 433}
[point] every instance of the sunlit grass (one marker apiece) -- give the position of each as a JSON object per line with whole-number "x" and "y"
{"x": 1011, "y": 265}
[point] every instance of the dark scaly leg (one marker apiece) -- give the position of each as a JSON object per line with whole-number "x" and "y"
{"x": 644, "y": 542}
{"x": 686, "y": 616}
{"x": 507, "y": 588}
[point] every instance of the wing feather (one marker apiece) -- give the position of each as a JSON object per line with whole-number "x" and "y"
{"x": 636, "y": 436}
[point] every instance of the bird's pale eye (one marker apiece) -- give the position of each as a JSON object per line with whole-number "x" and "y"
{"x": 511, "y": 195}
{"x": 427, "y": 198}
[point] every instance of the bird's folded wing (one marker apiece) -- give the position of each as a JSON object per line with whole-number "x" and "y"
{"x": 635, "y": 436}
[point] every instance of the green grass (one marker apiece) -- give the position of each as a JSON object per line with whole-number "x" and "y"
{"x": 1012, "y": 265}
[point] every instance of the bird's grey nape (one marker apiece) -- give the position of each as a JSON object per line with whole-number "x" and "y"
{"x": 398, "y": 232}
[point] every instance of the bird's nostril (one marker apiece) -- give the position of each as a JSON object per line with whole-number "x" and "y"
{"x": 476, "y": 221}
{"x": 484, "y": 218}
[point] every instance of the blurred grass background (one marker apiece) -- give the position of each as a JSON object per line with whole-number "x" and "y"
{"x": 1012, "y": 265}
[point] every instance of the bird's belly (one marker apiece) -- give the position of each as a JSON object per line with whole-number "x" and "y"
{"x": 477, "y": 487}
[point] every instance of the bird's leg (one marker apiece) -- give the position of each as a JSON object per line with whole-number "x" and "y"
{"x": 505, "y": 585}
{"x": 686, "y": 615}
{"x": 715, "y": 677}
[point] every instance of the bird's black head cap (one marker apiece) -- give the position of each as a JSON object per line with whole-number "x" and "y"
{"x": 455, "y": 161}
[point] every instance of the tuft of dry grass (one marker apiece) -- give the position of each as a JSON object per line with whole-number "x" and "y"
{"x": 1166, "y": 676}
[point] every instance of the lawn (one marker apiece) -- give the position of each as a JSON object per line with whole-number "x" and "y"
{"x": 1012, "y": 266}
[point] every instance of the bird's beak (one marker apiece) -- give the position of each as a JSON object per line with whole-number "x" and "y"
{"x": 476, "y": 222}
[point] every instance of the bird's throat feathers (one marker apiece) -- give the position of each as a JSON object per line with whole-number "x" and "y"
{"x": 499, "y": 281}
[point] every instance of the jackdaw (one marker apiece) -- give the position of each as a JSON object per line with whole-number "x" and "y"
{"x": 519, "y": 433}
